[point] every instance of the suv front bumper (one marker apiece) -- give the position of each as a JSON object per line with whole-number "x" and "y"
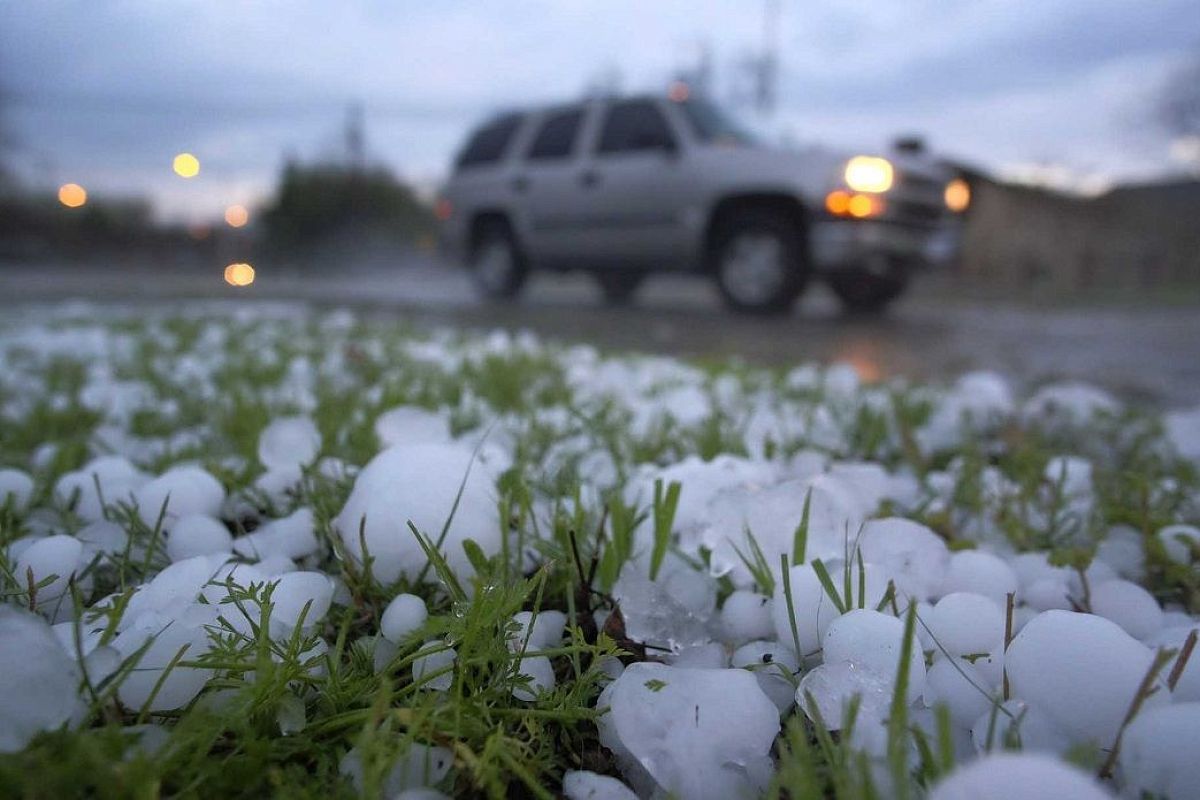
{"x": 837, "y": 244}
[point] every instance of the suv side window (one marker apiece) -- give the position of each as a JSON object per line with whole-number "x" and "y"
{"x": 556, "y": 137}
{"x": 488, "y": 144}
{"x": 632, "y": 126}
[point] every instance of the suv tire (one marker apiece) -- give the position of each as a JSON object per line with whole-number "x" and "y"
{"x": 496, "y": 262}
{"x": 619, "y": 285}
{"x": 759, "y": 260}
{"x": 866, "y": 291}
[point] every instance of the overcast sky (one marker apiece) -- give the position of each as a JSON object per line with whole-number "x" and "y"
{"x": 105, "y": 92}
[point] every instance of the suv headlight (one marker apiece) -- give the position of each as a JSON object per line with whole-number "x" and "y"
{"x": 869, "y": 174}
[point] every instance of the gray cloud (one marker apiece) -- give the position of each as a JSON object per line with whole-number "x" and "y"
{"x": 108, "y": 91}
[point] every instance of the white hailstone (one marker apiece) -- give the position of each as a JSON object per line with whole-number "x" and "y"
{"x": 230, "y": 574}
{"x": 1071, "y": 473}
{"x": 105, "y": 538}
{"x": 540, "y": 673}
{"x": 274, "y": 566}
{"x": 1173, "y": 638}
{"x": 966, "y": 624}
{"x": 774, "y": 666}
{"x": 184, "y": 638}
{"x": 746, "y": 615}
{"x": 961, "y": 687}
{"x": 1003, "y": 776}
{"x": 185, "y": 490}
{"x": 582, "y": 785}
{"x": 419, "y": 767}
{"x": 772, "y": 514}
{"x": 874, "y": 640}
{"x": 1082, "y": 670}
{"x": 915, "y": 556}
{"x": 404, "y": 615}
{"x": 293, "y": 536}
{"x": 170, "y": 591}
{"x": 289, "y": 442}
{"x": 1048, "y": 593}
{"x": 335, "y": 469}
{"x": 697, "y": 733}
{"x": 88, "y": 638}
{"x": 16, "y": 487}
{"x": 841, "y": 380}
{"x": 1180, "y": 541}
{"x": 38, "y": 680}
{"x": 435, "y": 662}
{"x": 1182, "y": 430}
{"x": 700, "y": 481}
{"x": 832, "y": 686}
{"x": 291, "y": 715}
{"x": 419, "y": 483}
{"x": 409, "y": 425}
{"x": 1013, "y": 722}
{"x": 101, "y": 663}
{"x": 117, "y": 478}
{"x": 653, "y": 614}
{"x": 814, "y": 609}
{"x": 1128, "y": 605}
{"x": 547, "y": 630}
{"x": 382, "y": 651}
{"x": 1124, "y": 551}
{"x": 279, "y": 484}
{"x": 982, "y": 573}
{"x": 1067, "y": 405}
{"x": 293, "y": 591}
{"x": 53, "y": 556}
{"x": 1158, "y": 752}
{"x": 701, "y": 656}
{"x": 197, "y": 535}
{"x": 1032, "y": 567}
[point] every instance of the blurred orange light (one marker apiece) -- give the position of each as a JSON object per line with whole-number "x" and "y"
{"x": 862, "y": 205}
{"x": 678, "y": 92}
{"x": 442, "y": 209}
{"x": 186, "y": 165}
{"x": 72, "y": 195}
{"x": 237, "y": 216}
{"x": 958, "y": 195}
{"x": 837, "y": 202}
{"x": 239, "y": 274}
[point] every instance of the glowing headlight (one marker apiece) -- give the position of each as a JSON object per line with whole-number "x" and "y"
{"x": 869, "y": 174}
{"x": 957, "y": 195}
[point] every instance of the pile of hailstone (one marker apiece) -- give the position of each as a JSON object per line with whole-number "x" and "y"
{"x": 1012, "y": 579}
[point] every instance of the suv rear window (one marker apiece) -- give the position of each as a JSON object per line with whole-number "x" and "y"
{"x": 556, "y": 137}
{"x": 487, "y": 145}
{"x": 634, "y": 125}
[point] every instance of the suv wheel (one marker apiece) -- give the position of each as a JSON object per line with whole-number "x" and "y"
{"x": 619, "y": 286}
{"x": 496, "y": 263}
{"x": 759, "y": 261}
{"x": 868, "y": 289}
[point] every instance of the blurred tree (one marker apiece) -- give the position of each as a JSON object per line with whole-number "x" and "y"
{"x": 321, "y": 203}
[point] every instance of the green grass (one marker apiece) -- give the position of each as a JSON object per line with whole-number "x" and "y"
{"x": 229, "y": 742}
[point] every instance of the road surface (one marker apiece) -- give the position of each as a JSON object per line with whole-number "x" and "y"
{"x": 1146, "y": 354}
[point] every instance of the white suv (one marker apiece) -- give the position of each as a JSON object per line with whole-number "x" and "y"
{"x": 623, "y": 187}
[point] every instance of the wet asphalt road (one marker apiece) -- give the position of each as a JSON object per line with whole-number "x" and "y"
{"x": 1146, "y": 354}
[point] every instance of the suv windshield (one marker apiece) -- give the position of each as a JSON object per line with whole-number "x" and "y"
{"x": 711, "y": 125}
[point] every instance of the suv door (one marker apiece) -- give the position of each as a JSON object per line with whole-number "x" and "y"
{"x": 546, "y": 184}
{"x": 636, "y": 189}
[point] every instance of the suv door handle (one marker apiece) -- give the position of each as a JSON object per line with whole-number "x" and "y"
{"x": 520, "y": 183}
{"x": 589, "y": 178}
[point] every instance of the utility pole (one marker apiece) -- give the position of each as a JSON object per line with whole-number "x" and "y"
{"x": 767, "y": 67}
{"x": 355, "y": 138}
